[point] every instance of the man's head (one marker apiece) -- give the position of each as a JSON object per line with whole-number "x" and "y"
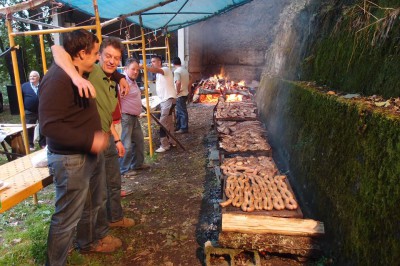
{"x": 132, "y": 68}
{"x": 156, "y": 61}
{"x": 176, "y": 61}
{"x": 83, "y": 47}
{"x": 34, "y": 77}
{"x": 110, "y": 54}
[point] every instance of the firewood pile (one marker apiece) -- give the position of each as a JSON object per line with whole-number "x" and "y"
{"x": 209, "y": 86}
{"x": 253, "y": 184}
{"x": 207, "y": 90}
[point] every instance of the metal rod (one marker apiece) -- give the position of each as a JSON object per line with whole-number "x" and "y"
{"x": 132, "y": 42}
{"x": 139, "y": 12}
{"x": 146, "y": 86}
{"x": 43, "y": 53}
{"x": 184, "y": 4}
{"x": 165, "y": 129}
{"x": 150, "y": 49}
{"x": 98, "y": 25}
{"x": 19, "y": 92}
{"x": 49, "y": 31}
{"x": 168, "y": 51}
{"x": 182, "y": 13}
{"x": 29, "y": 21}
{"x": 22, "y": 6}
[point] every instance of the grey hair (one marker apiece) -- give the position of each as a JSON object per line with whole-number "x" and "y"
{"x": 35, "y": 72}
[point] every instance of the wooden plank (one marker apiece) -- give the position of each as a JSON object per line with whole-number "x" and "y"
{"x": 23, "y": 181}
{"x": 256, "y": 224}
{"x": 296, "y": 245}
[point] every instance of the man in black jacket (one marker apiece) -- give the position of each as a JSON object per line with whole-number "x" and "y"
{"x": 72, "y": 126}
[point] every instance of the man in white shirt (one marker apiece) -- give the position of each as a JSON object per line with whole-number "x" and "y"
{"x": 166, "y": 92}
{"x": 181, "y": 79}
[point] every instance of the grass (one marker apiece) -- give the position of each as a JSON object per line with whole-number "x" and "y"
{"x": 23, "y": 234}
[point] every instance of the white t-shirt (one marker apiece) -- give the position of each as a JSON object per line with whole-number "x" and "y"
{"x": 183, "y": 75}
{"x": 165, "y": 85}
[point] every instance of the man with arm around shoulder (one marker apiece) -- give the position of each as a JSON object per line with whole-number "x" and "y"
{"x": 72, "y": 127}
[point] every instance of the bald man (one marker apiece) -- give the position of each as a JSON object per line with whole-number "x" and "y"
{"x": 31, "y": 103}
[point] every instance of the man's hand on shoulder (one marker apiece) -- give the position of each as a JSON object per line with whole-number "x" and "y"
{"x": 123, "y": 87}
{"x": 85, "y": 88}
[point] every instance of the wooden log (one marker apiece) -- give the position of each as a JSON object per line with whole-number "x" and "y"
{"x": 257, "y": 224}
{"x": 303, "y": 246}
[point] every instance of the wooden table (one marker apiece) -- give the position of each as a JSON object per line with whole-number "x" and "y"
{"x": 22, "y": 180}
{"x": 11, "y": 134}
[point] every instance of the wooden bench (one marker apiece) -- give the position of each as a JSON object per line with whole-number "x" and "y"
{"x": 23, "y": 179}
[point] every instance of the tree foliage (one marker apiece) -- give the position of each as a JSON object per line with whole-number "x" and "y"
{"x": 29, "y": 45}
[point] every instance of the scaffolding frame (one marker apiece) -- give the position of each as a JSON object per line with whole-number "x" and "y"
{"x": 40, "y": 33}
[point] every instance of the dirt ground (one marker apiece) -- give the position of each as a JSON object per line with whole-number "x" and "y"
{"x": 175, "y": 204}
{"x": 168, "y": 203}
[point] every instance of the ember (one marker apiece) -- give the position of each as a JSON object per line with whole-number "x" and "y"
{"x": 234, "y": 97}
{"x": 215, "y": 86}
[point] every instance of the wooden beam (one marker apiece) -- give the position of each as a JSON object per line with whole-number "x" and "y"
{"x": 303, "y": 246}
{"x": 31, "y": 4}
{"x": 257, "y": 224}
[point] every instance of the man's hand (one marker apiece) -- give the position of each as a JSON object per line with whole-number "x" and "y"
{"x": 120, "y": 149}
{"x": 100, "y": 142}
{"x": 123, "y": 87}
{"x": 85, "y": 88}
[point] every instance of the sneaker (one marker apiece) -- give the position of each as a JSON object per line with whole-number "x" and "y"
{"x": 181, "y": 131}
{"x": 100, "y": 247}
{"x": 112, "y": 240}
{"x": 161, "y": 149}
{"x": 125, "y": 222}
{"x": 32, "y": 149}
{"x": 143, "y": 167}
{"x": 125, "y": 193}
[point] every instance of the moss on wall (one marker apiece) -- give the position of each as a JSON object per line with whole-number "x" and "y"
{"x": 357, "y": 48}
{"x": 345, "y": 158}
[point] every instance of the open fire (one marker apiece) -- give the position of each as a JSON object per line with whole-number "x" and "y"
{"x": 209, "y": 90}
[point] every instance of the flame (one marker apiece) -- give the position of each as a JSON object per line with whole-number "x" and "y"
{"x": 234, "y": 98}
{"x": 222, "y": 73}
{"x": 242, "y": 83}
{"x": 208, "y": 98}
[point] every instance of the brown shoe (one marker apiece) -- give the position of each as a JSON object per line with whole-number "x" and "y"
{"x": 100, "y": 247}
{"x": 143, "y": 167}
{"x": 112, "y": 240}
{"x": 125, "y": 222}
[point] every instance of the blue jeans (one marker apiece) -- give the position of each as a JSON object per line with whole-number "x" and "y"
{"x": 133, "y": 141}
{"x": 113, "y": 211}
{"x": 182, "y": 118}
{"x": 78, "y": 198}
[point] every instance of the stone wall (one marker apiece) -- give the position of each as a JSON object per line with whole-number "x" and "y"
{"x": 235, "y": 43}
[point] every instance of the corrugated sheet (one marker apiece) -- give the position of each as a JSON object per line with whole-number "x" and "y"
{"x": 173, "y": 15}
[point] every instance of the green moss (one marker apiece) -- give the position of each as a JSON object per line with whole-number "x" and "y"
{"x": 349, "y": 56}
{"x": 346, "y": 159}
